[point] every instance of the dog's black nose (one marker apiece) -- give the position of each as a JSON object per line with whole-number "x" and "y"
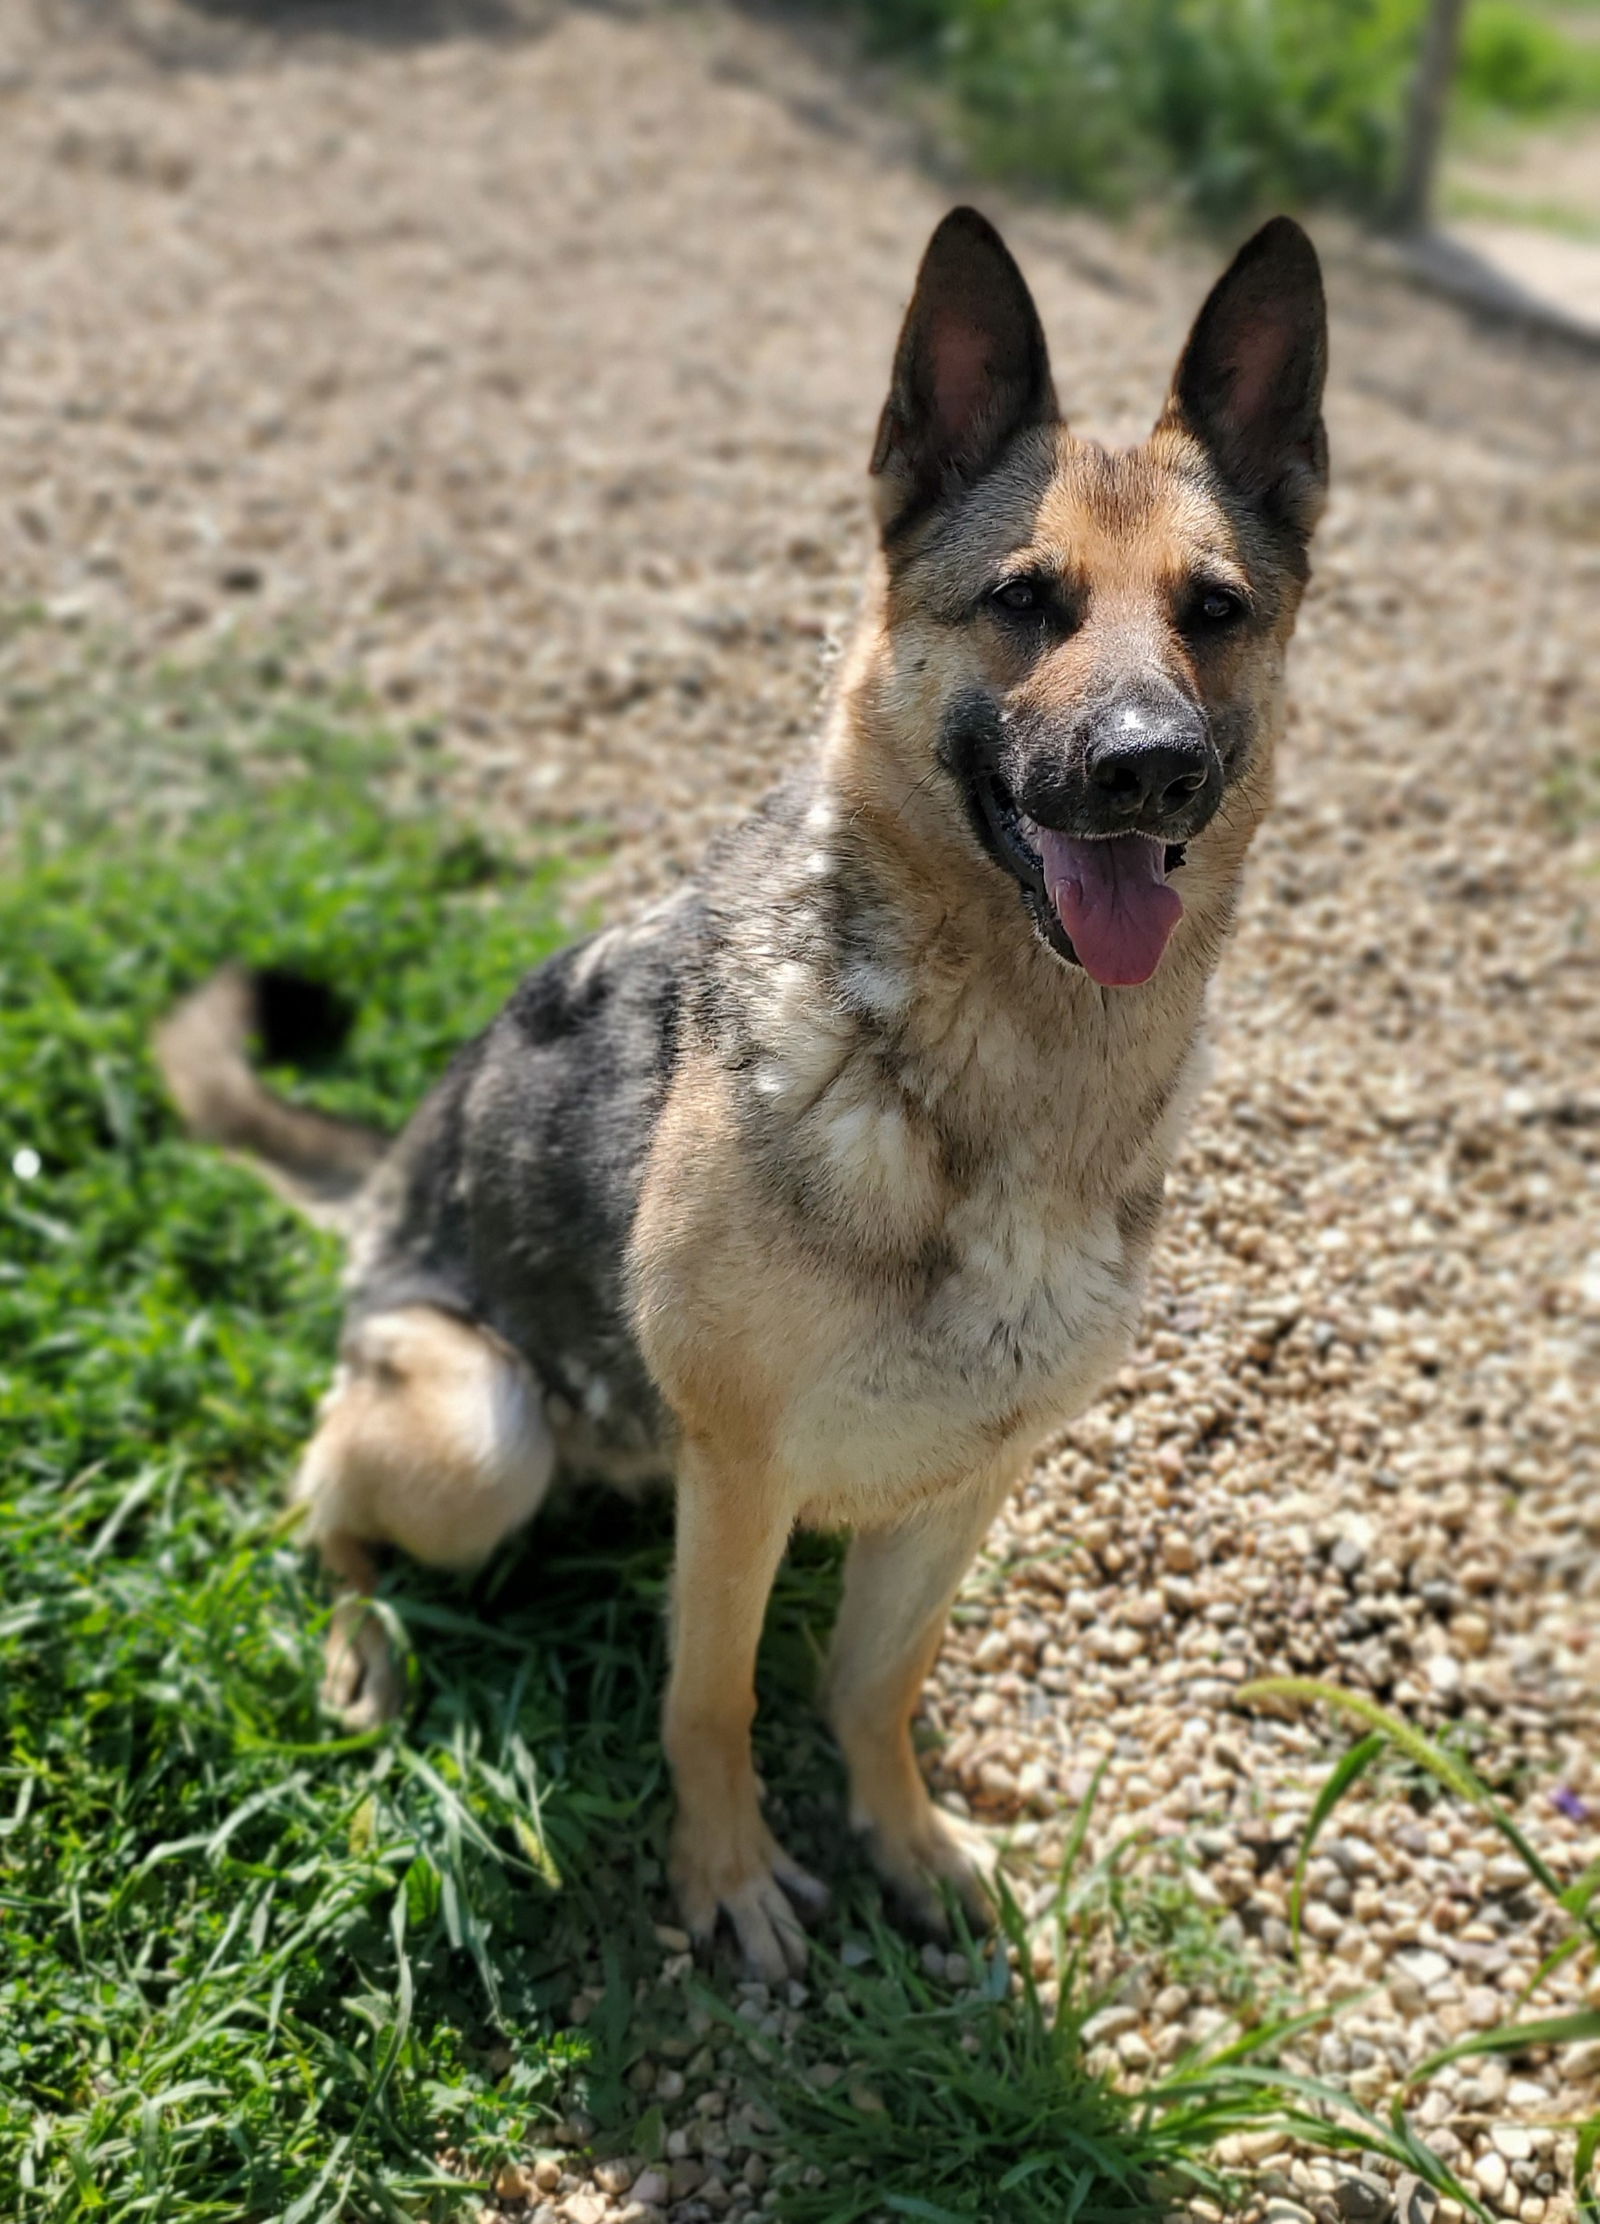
{"x": 1148, "y": 764}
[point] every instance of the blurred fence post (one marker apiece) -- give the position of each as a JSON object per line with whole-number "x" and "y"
{"x": 1430, "y": 93}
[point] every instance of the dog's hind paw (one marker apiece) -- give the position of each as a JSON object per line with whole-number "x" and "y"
{"x": 764, "y": 1904}
{"x": 363, "y": 1682}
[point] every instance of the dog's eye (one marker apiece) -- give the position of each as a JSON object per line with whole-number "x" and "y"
{"x": 1218, "y": 606}
{"x": 1017, "y": 595}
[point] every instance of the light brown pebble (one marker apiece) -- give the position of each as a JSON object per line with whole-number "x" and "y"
{"x": 1528, "y": 2094}
{"x": 1490, "y": 2174}
{"x": 1257, "y": 2147}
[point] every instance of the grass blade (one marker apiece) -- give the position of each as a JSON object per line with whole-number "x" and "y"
{"x": 1585, "y": 2181}
{"x": 1349, "y": 1770}
{"x": 1511, "y": 2038}
{"x": 1444, "y": 1767}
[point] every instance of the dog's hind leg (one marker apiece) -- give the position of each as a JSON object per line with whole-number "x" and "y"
{"x": 432, "y": 1439}
{"x": 362, "y": 1679}
{"x": 898, "y": 1586}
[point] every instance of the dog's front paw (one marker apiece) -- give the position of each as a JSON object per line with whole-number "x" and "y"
{"x": 746, "y": 1875}
{"x": 931, "y": 1853}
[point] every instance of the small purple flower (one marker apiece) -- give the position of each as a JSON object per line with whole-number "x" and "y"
{"x": 1566, "y": 1801}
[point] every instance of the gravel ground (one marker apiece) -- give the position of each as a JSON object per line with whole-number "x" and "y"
{"x": 530, "y": 381}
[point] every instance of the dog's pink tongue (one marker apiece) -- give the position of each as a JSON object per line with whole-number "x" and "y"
{"x": 1112, "y": 898}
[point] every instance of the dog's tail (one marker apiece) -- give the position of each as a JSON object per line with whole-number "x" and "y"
{"x": 319, "y": 1163}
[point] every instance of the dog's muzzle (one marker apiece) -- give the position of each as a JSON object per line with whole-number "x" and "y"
{"x": 1093, "y": 829}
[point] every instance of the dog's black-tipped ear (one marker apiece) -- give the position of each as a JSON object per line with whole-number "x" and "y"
{"x": 1249, "y": 382}
{"x": 970, "y": 372}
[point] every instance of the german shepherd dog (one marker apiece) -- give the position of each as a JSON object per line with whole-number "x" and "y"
{"x": 828, "y": 1185}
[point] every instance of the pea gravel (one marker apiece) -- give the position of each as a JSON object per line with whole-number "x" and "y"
{"x": 527, "y": 379}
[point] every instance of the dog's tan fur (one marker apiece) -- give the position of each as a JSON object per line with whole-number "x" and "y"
{"x": 756, "y": 1348}
{"x": 433, "y": 1439}
{"x": 980, "y": 1131}
{"x": 1034, "y": 1172}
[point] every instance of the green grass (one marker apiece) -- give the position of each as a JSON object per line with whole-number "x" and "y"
{"x": 1559, "y": 217}
{"x": 242, "y": 1966}
{"x": 957, "y": 2109}
{"x": 1519, "y": 61}
{"x": 248, "y": 1967}
{"x": 1231, "y": 107}
{"x": 253, "y": 1969}
{"x": 1572, "y": 786}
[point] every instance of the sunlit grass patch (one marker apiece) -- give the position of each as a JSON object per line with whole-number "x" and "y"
{"x": 250, "y": 1967}
{"x": 219, "y": 1927}
{"x": 906, "y": 2096}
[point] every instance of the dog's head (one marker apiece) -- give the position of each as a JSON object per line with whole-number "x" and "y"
{"x": 1093, "y": 641}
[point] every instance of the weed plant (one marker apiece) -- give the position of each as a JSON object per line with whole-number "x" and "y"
{"x": 903, "y": 2099}
{"x": 1575, "y": 1902}
{"x": 1234, "y": 107}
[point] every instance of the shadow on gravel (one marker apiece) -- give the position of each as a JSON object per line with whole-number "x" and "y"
{"x": 384, "y": 22}
{"x": 180, "y": 33}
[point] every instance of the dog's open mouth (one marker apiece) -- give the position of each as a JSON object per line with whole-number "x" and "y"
{"x": 1103, "y": 903}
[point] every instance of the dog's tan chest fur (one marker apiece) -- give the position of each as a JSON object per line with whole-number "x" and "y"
{"x": 915, "y": 1395}
{"x": 956, "y": 1276}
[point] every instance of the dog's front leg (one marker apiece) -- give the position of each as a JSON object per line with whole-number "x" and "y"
{"x": 731, "y": 1531}
{"x": 898, "y": 1586}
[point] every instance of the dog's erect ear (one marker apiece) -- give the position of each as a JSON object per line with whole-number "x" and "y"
{"x": 970, "y": 372}
{"x": 1249, "y": 383}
